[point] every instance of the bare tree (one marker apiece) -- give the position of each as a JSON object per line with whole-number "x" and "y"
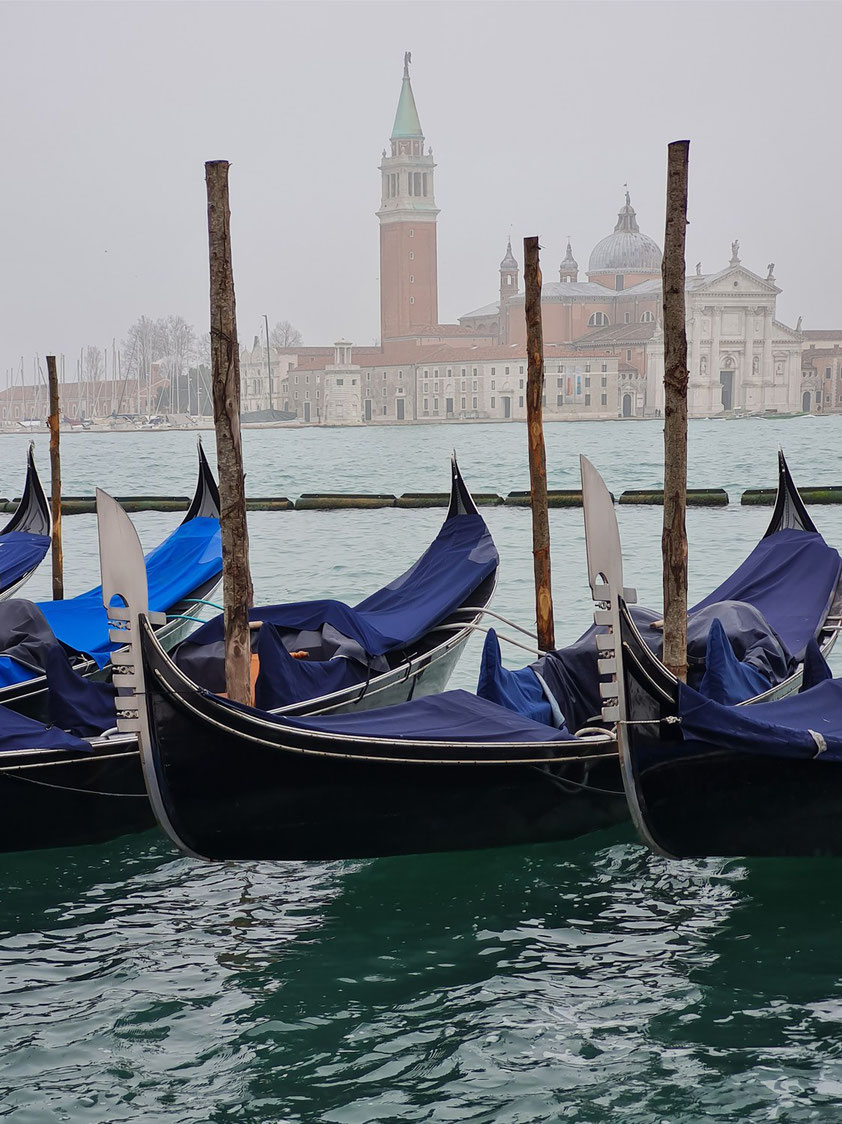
{"x": 285, "y": 335}
{"x": 93, "y": 363}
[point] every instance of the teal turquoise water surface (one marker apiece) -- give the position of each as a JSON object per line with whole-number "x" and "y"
{"x": 586, "y": 981}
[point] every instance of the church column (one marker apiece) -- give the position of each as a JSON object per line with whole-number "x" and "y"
{"x": 715, "y": 399}
{"x": 748, "y": 371}
{"x": 767, "y": 368}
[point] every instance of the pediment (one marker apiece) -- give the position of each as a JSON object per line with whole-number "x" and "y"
{"x": 737, "y": 279}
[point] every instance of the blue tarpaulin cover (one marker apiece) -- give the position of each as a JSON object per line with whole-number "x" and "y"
{"x": 728, "y": 679}
{"x": 456, "y": 716}
{"x": 769, "y": 610}
{"x": 791, "y": 578}
{"x": 188, "y": 558}
{"x": 518, "y": 690}
{"x": 457, "y": 562}
{"x": 461, "y": 556}
{"x": 81, "y": 706}
{"x": 784, "y": 728}
{"x": 20, "y": 552}
{"x": 20, "y": 733}
{"x": 283, "y": 680}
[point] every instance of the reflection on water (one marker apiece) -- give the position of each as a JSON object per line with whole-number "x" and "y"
{"x": 584, "y": 981}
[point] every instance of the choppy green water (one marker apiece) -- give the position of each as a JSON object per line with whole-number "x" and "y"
{"x": 585, "y": 982}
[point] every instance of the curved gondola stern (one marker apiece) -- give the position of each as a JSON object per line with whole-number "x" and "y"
{"x": 789, "y": 512}
{"x": 205, "y": 502}
{"x": 605, "y": 576}
{"x": 461, "y": 500}
{"x": 32, "y": 515}
{"x": 125, "y": 597}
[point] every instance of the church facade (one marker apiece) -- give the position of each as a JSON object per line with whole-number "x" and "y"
{"x": 602, "y": 335}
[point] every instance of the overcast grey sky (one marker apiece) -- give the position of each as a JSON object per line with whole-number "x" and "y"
{"x": 537, "y": 115}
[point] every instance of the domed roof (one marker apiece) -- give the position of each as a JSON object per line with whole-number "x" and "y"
{"x": 626, "y": 250}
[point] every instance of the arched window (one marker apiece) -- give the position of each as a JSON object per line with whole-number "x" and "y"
{"x": 598, "y": 320}
{"x": 647, "y": 317}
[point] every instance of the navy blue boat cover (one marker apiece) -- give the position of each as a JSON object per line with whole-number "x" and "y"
{"x": 458, "y": 560}
{"x": 18, "y": 733}
{"x": 83, "y": 707}
{"x": 186, "y": 559}
{"x": 770, "y": 610}
{"x": 808, "y": 724}
{"x": 20, "y": 552}
{"x": 453, "y": 716}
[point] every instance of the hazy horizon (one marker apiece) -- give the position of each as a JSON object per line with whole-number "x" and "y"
{"x": 537, "y": 115}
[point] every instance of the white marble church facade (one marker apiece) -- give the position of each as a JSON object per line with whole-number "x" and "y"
{"x": 739, "y": 357}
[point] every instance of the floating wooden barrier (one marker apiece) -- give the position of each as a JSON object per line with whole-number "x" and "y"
{"x": 442, "y": 499}
{"x": 331, "y": 501}
{"x": 269, "y": 503}
{"x": 559, "y": 497}
{"x": 765, "y": 497}
{"x": 696, "y": 497}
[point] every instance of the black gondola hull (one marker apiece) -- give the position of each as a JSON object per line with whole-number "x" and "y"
{"x": 238, "y": 788}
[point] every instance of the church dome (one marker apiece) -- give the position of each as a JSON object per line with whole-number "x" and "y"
{"x": 626, "y": 250}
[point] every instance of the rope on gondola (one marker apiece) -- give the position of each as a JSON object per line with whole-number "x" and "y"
{"x": 80, "y": 760}
{"x": 81, "y": 791}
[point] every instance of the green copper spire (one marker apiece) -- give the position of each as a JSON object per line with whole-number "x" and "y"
{"x": 406, "y": 118}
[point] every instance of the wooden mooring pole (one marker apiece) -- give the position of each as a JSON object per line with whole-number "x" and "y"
{"x": 537, "y": 451}
{"x": 237, "y": 591}
{"x": 674, "y": 537}
{"x": 54, "y": 422}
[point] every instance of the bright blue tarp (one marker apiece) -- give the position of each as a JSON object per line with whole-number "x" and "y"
{"x": 188, "y": 558}
{"x": 456, "y": 562}
{"x": 20, "y": 552}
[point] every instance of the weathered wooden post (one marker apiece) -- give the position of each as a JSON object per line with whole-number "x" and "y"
{"x": 537, "y": 452}
{"x": 237, "y": 590}
{"x": 674, "y": 538}
{"x": 54, "y": 422}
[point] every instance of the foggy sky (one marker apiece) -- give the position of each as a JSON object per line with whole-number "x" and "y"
{"x": 537, "y": 115}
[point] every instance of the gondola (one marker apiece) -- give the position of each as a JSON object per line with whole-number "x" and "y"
{"x": 184, "y": 571}
{"x": 704, "y": 778}
{"x": 61, "y": 797}
{"x": 447, "y": 773}
{"x": 97, "y": 791}
{"x": 26, "y": 537}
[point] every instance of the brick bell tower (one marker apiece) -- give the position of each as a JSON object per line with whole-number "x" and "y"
{"x": 408, "y": 270}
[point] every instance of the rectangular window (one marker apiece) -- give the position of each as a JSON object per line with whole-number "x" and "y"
{"x": 628, "y": 318}
{"x": 507, "y": 370}
{"x": 464, "y": 403}
{"x": 521, "y": 399}
{"x": 587, "y": 380}
{"x": 464, "y": 385}
{"x": 475, "y": 372}
{"x": 587, "y": 366}
{"x": 628, "y": 355}
{"x": 450, "y": 372}
{"x": 493, "y": 403}
{"x": 464, "y": 372}
{"x": 587, "y": 399}
{"x": 521, "y": 384}
{"x": 424, "y": 174}
{"x": 604, "y": 399}
{"x": 559, "y": 382}
{"x": 559, "y": 400}
{"x": 340, "y": 382}
{"x": 521, "y": 371}
{"x": 476, "y": 384}
{"x": 435, "y": 387}
{"x": 493, "y": 384}
{"x": 493, "y": 371}
{"x": 384, "y": 409}
{"x": 604, "y": 380}
{"x": 426, "y": 403}
{"x": 474, "y": 403}
{"x": 604, "y": 366}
